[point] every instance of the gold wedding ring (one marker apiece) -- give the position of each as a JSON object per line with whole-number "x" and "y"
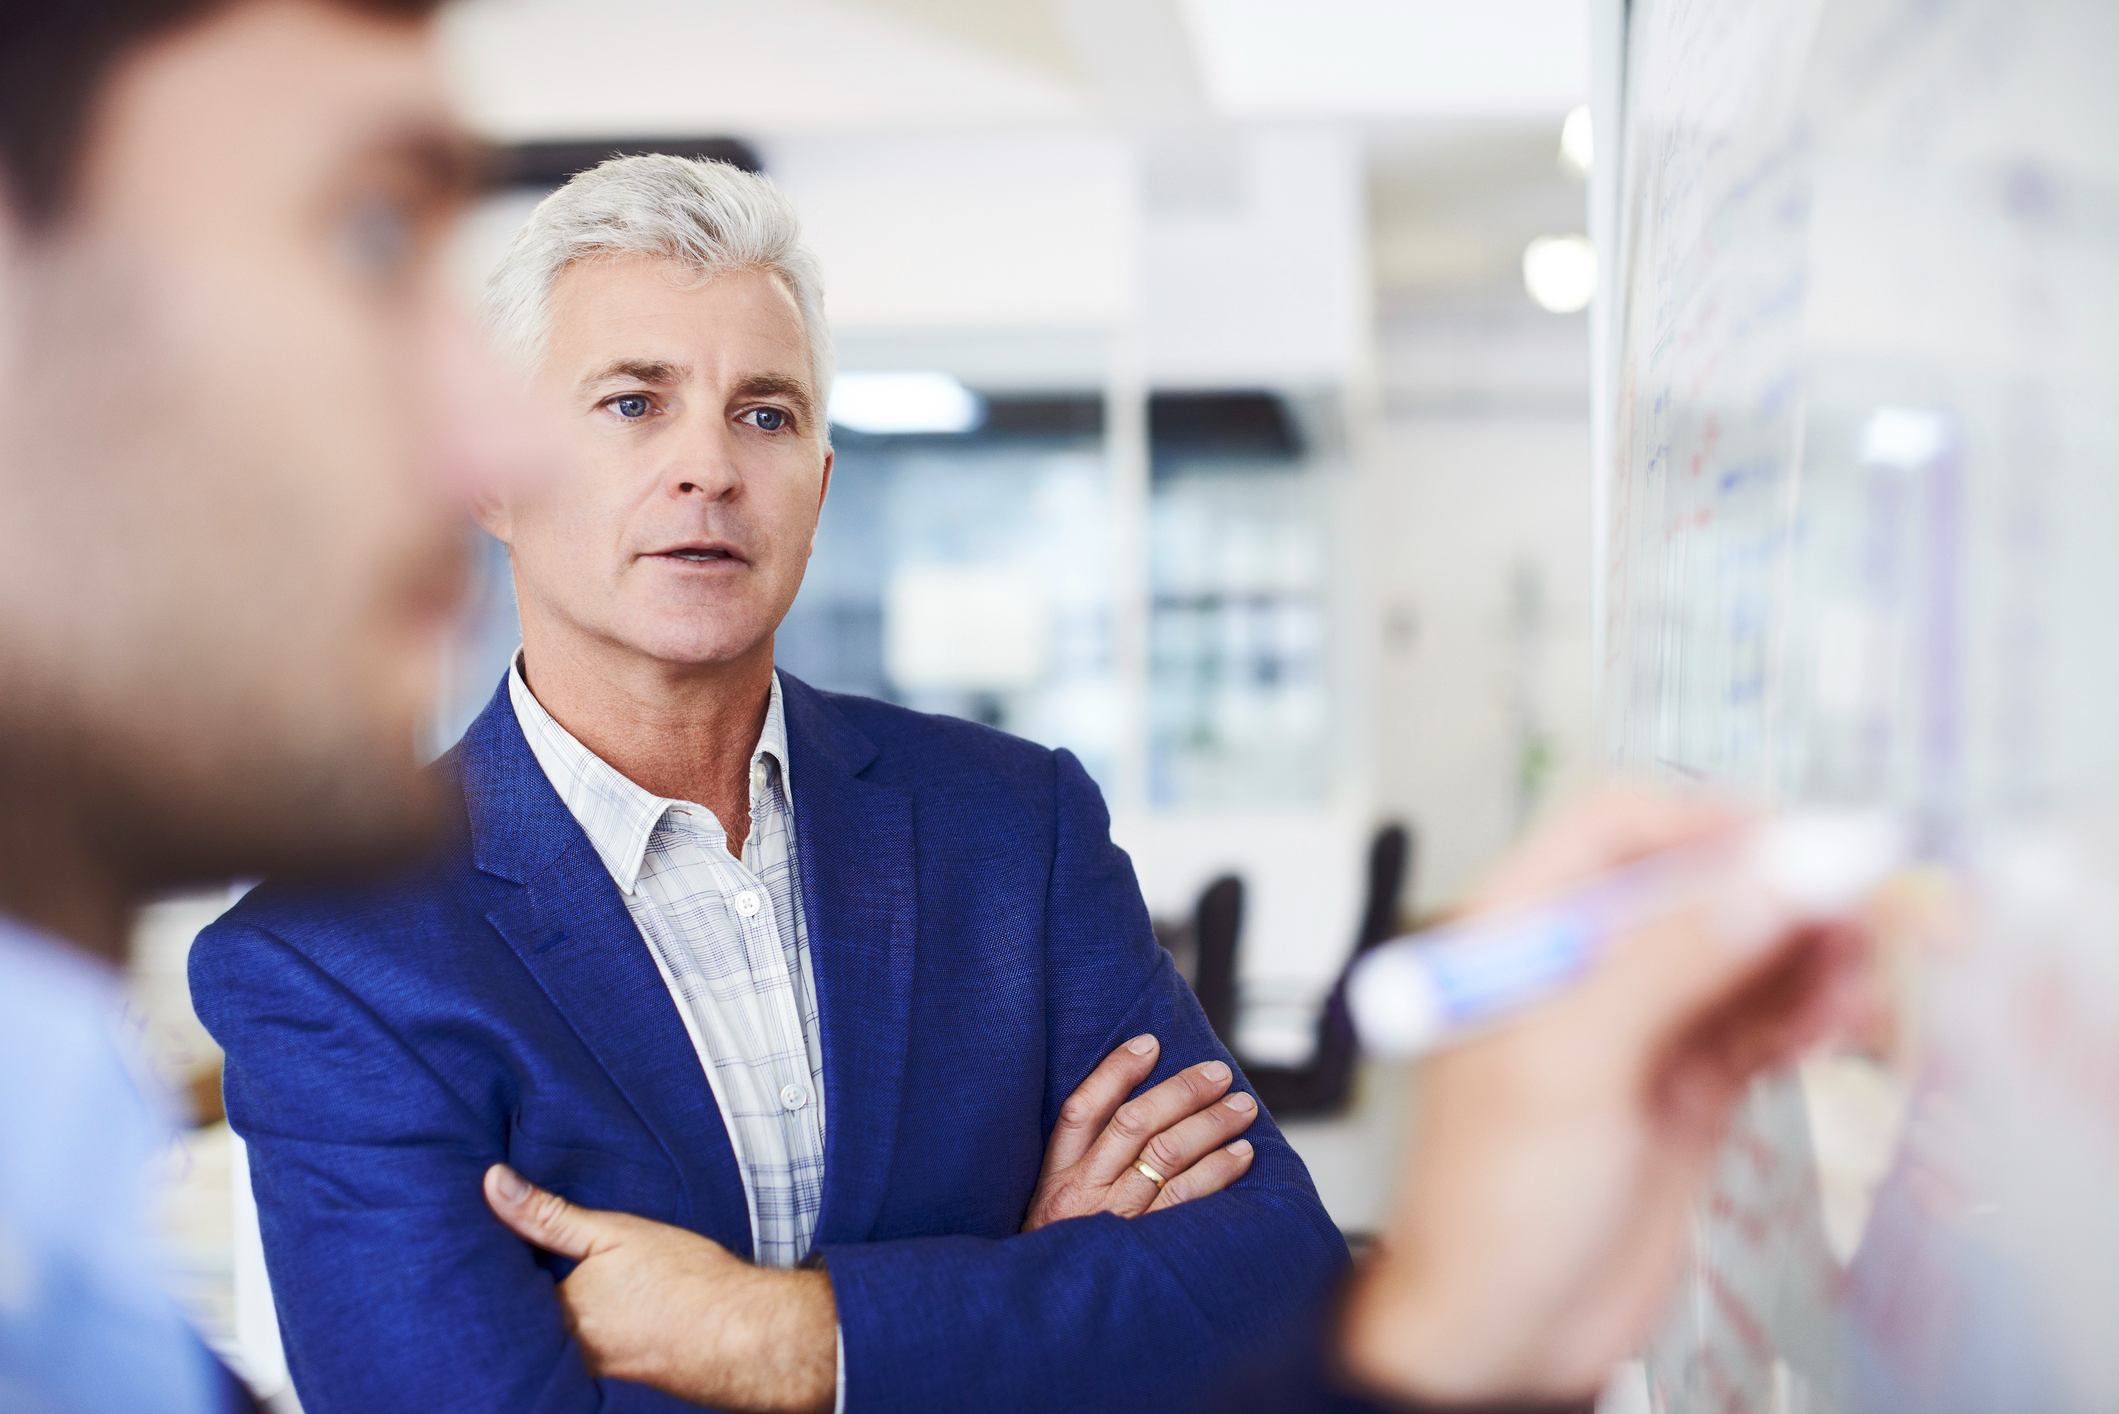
{"x": 1148, "y": 1172}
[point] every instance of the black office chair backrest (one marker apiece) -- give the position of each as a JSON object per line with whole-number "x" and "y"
{"x": 1390, "y": 854}
{"x": 1217, "y": 925}
{"x": 1390, "y": 860}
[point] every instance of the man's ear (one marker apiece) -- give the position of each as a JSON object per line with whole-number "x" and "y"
{"x": 824, "y": 489}
{"x": 491, "y": 513}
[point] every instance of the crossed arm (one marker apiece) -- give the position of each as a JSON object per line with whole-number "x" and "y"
{"x": 664, "y": 1306}
{"x": 1142, "y": 1303}
{"x": 1094, "y": 1313}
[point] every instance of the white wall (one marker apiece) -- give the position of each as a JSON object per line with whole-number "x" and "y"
{"x": 1255, "y": 260}
{"x": 1479, "y": 479}
{"x": 967, "y": 230}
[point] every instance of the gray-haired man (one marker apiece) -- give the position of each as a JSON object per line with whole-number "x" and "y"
{"x": 812, "y": 976}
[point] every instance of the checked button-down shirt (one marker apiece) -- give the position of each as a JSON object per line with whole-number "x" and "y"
{"x": 729, "y": 939}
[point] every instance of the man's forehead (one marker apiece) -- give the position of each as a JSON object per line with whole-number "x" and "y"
{"x": 258, "y": 89}
{"x": 656, "y": 309}
{"x": 334, "y": 52}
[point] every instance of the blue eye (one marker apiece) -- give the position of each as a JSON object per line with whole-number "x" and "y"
{"x": 631, "y": 406}
{"x": 767, "y": 419}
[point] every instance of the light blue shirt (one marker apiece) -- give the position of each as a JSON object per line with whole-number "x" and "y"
{"x": 86, "y": 1323}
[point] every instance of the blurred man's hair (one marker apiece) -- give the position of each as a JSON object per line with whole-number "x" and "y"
{"x": 707, "y": 215}
{"x": 55, "y": 58}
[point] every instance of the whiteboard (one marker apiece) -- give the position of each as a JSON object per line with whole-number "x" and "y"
{"x": 1859, "y": 522}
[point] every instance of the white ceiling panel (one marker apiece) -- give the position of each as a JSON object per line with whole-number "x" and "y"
{"x": 1392, "y": 59}
{"x": 591, "y": 68}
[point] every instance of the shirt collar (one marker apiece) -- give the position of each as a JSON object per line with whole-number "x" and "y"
{"x": 772, "y": 744}
{"x": 618, "y": 816}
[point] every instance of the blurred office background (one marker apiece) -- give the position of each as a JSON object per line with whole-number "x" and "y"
{"x": 1213, "y": 401}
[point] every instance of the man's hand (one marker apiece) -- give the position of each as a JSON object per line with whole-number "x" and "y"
{"x": 1185, "y": 1129}
{"x": 667, "y": 1307}
{"x": 1542, "y": 1214}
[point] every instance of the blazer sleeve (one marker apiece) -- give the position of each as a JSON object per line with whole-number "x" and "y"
{"x": 395, "y": 1287}
{"x": 1098, "y": 1312}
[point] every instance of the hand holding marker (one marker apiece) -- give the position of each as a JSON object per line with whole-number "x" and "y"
{"x": 1426, "y": 991}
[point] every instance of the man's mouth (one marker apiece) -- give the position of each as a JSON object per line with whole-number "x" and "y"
{"x": 698, "y": 554}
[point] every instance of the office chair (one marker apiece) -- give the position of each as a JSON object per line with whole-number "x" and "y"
{"x": 1217, "y": 923}
{"x": 1324, "y": 1084}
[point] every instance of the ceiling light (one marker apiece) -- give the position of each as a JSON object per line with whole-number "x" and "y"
{"x": 1560, "y": 272}
{"x": 1577, "y": 140}
{"x": 904, "y": 402}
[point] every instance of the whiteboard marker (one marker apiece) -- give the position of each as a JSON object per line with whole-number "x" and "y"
{"x": 1420, "y": 993}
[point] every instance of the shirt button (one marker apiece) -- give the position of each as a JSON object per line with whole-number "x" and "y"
{"x": 757, "y": 778}
{"x": 747, "y": 903}
{"x": 794, "y": 1096}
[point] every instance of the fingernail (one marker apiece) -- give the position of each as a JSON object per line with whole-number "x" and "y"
{"x": 510, "y": 1183}
{"x": 1141, "y": 1045}
{"x": 1241, "y": 1148}
{"x": 1241, "y": 1102}
{"x": 1214, "y": 1070}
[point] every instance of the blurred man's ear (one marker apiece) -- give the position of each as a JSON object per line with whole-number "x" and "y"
{"x": 491, "y": 513}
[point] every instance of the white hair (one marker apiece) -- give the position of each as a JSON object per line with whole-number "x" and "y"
{"x": 705, "y": 214}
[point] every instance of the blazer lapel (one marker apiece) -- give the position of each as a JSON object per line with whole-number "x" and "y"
{"x": 568, "y": 923}
{"x": 856, "y": 855}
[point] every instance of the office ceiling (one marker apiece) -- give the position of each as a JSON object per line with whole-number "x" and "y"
{"x": 561, "y": 68}
{"x": 1456, "y": 106}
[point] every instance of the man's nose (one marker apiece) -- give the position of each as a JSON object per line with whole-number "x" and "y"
{"x": 704, "y": 459}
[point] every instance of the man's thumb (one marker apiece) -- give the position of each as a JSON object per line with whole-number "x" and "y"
{"x": 544, "y": 1218}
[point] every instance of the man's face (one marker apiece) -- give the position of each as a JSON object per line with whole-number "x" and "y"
{"x": 694, "y": 467}
{"x": 237, "y": 403}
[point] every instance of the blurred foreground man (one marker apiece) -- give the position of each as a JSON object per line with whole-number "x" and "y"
{"x": 812, "y": 976}
{"x": 238, "y": 417}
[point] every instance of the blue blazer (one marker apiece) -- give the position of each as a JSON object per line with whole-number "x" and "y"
{"x": 979, "y": 944}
